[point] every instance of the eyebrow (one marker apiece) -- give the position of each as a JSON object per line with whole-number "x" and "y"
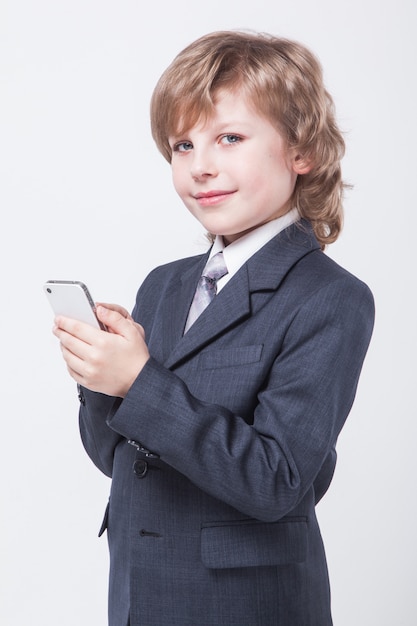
{"x": 222, "y": 126}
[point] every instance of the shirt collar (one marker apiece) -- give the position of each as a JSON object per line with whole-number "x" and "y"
{"x": 239, "y": 251}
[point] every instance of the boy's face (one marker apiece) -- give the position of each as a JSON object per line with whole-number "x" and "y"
{"x": 233, "y": 173}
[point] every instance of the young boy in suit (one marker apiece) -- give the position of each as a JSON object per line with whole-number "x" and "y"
{"x": 216, "y": 406}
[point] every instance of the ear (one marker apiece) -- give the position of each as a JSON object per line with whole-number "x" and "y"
{"x": 301, "y": 165}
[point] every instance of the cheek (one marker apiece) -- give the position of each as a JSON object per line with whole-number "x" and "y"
{"x": 278, "y": 177}
{"x": 181, "y": 187}
{"x": 177, "y": 180}
{"x": 260, "y": 183}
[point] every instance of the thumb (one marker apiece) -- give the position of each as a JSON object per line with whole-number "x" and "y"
{"x": 114, "y": 321}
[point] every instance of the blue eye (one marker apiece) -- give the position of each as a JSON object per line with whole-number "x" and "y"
{"x": 183, "y": 146}
{"x": 230, "y": 138}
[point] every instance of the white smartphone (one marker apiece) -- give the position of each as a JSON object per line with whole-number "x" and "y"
{"x": 72, "y": 299}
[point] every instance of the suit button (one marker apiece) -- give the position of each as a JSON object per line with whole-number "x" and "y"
{"x": 140, "y": 468}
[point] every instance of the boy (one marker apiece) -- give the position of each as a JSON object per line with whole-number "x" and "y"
{"x": 216, "y": 406}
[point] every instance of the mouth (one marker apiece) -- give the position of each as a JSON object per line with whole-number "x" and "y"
{"x": 210, "y": 198}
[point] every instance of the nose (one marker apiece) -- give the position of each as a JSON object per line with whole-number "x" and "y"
{"x": 203, "y": 165}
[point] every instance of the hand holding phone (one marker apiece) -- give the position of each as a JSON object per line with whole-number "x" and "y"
{"x": 107, "y": 364}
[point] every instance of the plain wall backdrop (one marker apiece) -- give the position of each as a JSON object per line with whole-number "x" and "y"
{"x": 85, "y": 195}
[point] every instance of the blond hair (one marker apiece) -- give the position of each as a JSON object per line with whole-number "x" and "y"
{"x": 284, "y": 81}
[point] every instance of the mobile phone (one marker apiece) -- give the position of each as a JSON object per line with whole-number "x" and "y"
{"x": 72, "y": 299}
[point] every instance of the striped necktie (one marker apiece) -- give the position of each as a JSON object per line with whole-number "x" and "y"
{"x": 207, "y": 287}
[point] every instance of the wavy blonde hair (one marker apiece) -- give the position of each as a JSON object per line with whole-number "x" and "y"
{"x": 284, "y": 81}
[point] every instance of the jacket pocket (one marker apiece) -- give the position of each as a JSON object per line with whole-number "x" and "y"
{"x": 249, "y": 543}
{"x": 230, "y": 357}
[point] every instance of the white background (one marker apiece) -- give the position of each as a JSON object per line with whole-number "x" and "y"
{"x": 85, "y": 195}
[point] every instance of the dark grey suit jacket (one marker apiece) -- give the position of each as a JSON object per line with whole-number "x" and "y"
{"x": 226, "y": 441}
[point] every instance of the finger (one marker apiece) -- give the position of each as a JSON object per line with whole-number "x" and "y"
{"x": 81, "y": 330}
{"x": 115, "y": 307}
{"x": 82, "y": 350}
{"x": 84, "y": 363}
{"x": 73, "y": 366}
{"x": 116, "y": 322}
{"x": 140, "y": 329}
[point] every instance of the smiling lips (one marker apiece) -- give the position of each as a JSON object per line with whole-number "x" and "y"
{"x": 210, "y": 198}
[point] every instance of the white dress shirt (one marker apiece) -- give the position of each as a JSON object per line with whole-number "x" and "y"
{"x": 239, "y": 251}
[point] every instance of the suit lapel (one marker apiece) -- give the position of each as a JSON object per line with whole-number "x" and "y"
{"x": 227, "y": 308}
{"x": 169, "y": 323}
{"x": 264, "y": 271}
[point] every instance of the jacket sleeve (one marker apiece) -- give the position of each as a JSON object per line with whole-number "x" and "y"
{"x": 98, "y": 438}
{"x": 96, "y": 409}
{"x": 265, "y": 468}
